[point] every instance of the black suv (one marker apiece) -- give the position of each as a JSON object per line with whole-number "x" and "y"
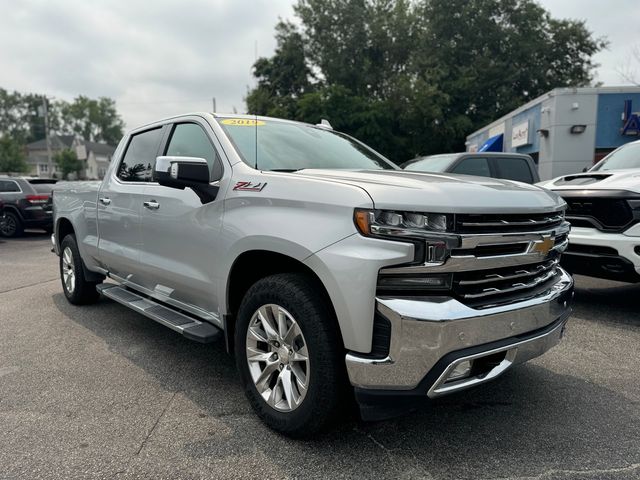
{"x": 510, "y": 166}
{"x": 27, "y": 204}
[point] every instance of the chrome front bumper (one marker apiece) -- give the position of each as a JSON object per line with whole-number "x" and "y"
{"x": 430, "y": 336}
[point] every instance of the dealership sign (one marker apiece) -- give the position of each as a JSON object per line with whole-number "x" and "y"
{"x": 631, "y": 122}
{"x": 520, "y": 134}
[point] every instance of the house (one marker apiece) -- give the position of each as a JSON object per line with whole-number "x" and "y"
{"x": 94, "y": 155}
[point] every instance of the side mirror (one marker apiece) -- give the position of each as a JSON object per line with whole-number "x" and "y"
{"x": 585, "y": 169}
{"x": 185, "y": 172}
{"x": 180, "y": 172}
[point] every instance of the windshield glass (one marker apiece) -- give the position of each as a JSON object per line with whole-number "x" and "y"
{"x": 627, "y": 156}
{"x": 290, "y": 146}
{"x": 434, "y": 163}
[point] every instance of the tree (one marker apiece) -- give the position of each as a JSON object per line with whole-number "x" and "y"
{"x": 12, "y": 156}
{"x": 415, "y": 77}
{"x": 67, "y": 162}
{"x": 95, "y": 120}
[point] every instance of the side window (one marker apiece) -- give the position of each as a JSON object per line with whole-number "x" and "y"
{"x": 515, "y": 169}
{"x": 137, "y": 164}
{"x": 473, "y": 166}
{"x": 8, "y": 186}
{"x": 190, "y": 140}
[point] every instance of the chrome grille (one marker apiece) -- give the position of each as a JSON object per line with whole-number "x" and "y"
{"x": 501, "y": 285}
{"x": 476, "y": 223}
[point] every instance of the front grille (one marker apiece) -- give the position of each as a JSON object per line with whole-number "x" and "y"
{"x": 478, "y": 223}
{"x": 591, "y": 250}
{"x": 607, "y": 213}
{"x": 494, "y": 287}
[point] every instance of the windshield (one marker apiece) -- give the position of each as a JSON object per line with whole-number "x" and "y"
{"x": 290, "y": 146}
{"x": 627, "y": 156}
{"x": 433, "y": 163}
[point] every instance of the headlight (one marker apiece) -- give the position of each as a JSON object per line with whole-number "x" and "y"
{"x": 389, "y": 223}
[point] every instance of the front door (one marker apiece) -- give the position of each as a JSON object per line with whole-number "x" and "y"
{"x": 180, "y": 233}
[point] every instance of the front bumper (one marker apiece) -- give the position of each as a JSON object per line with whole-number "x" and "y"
{"x": 431, "y": 336}
{"x": 603, "y": 255}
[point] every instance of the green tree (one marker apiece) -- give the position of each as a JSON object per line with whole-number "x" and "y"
{"x": 95, "y": 120}
{"x": 12, "y": 156}
{"x": 68, "y": 163}
{"x": 415, "y": 77}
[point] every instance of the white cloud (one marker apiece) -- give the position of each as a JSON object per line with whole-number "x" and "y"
{"x": 159, "y": 58}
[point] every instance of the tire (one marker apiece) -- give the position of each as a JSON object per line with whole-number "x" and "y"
{"x": 12, "y": 226}
{"x": 76, "y": 288}
{"x": 294, "y": 298}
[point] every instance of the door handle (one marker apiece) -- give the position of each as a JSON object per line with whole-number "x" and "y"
{"x": 151, "y": 204}
{"x": 105, "y": 200}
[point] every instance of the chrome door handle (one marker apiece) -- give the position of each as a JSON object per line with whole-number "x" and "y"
{"x": 151, "y": 204}
{"x": 105, "y": 200}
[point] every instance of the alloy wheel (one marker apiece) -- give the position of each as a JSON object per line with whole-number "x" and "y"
{"x": 277, "y": 357}
{"x": 68, "y": 270}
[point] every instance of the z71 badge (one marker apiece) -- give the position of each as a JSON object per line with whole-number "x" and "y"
{"x": 250, "y": 187}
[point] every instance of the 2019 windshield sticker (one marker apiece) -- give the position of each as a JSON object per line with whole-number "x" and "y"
{"x": 249, "y": 186}
{"x": 243, "y": 122}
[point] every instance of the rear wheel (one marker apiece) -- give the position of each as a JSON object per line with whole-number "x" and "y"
{"x": 11, "y": 226}
{"x": 289, "y": 354}
{"x": 76, "y": 288}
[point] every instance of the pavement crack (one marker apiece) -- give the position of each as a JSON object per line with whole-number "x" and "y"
{"x": 27, "y": 286}
{"x": 166, "y": 407}
{"x": 594, "y": 473}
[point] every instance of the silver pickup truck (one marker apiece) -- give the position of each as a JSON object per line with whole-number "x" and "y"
{"x": 319, "y": 262}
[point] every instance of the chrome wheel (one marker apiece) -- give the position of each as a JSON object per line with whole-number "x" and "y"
{"x": 277, "y": 357}
{"x": 68, "y": 270}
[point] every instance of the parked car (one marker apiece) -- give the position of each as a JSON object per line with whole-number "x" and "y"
{"x": 318, "y": 261}
{"x": 1, "y": 214}
{"x": 508, "y": 166}
{"x": 27, "y": 204}
{"x": 604, "y": 211}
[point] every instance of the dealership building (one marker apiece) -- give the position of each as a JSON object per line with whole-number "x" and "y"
{"x": 566, "y": 129}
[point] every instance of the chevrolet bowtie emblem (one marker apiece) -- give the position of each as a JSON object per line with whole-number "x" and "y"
{"x": 543, "y": 246}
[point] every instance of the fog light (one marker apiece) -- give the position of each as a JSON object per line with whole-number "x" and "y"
{"x": 462, "y": 370}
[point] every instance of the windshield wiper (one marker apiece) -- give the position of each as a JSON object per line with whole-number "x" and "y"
{"x": 286, "y": 170}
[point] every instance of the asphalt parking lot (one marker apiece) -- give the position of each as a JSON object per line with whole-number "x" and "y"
{"x": 102, "y": 392}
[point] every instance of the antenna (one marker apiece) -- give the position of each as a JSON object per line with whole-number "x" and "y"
{"x": 255, "y": 126}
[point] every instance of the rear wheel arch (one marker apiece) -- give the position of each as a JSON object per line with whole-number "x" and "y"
{"x": 253, "y": 265}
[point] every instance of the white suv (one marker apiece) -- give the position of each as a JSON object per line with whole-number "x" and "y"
{"x": 604, "y": 211}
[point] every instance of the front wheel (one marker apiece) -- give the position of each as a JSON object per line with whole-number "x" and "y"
{"x": 76, "y": 288}
{"x": 290, "y": 355}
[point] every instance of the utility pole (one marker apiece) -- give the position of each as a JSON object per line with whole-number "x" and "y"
{"x": 214, "y": 104}
{"x": 45, "y": 111}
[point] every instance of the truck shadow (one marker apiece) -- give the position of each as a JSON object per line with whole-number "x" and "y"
{"x": 525, "y": 423}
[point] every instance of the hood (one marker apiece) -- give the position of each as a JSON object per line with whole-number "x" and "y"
{"x": 443, "y": 193}
{"x": 601, "y": 180}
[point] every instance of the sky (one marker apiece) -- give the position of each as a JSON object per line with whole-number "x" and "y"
{"x": 160, "y": 58}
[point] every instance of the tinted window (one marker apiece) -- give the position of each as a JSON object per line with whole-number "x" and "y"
{"x": 515, "y": 169}
{"x": 8, "y": 186}
{"x": 140, "y": 156}
{"x": 294, "y": 146}
{"x": 190, "y": 140}
{"x": 473, "y": 166}
{"x": 434, "y": 163}
{"x": 43, "y": 187}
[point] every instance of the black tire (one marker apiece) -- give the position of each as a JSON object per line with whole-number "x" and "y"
{"x": 12, "y": 225}
{"x": 82, "y": 292}
{"x": 299, "y": 295}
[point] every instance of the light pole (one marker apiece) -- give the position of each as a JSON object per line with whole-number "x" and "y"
{"x": 45, "y": 113}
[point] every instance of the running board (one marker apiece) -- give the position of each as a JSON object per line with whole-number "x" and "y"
{"x": 186, "y": 325}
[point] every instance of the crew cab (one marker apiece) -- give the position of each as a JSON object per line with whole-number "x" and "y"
{"x": 604, "y": 212}
{"x": 322, "y": 265}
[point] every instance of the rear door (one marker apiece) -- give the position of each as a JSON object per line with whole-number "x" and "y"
{"x": 179, "y": 232}
{"x": 120, "y": 204}
{"x": 514, "y": 168}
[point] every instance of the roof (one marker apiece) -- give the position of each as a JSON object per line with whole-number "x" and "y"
{"x": 99, "y": 148}
{"x": 556, "y": 92}
{"x": 57, "y": 141}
